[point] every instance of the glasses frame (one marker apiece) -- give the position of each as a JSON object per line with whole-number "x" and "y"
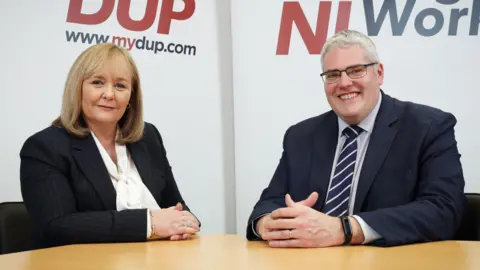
{"x": 345, "y": 70}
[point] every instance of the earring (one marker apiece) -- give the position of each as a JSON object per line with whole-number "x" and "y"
{"x": 128, "y": 106}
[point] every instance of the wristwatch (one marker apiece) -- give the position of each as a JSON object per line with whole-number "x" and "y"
{"x": 347, "y": 230}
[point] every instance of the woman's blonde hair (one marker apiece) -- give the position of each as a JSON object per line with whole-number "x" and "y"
{"x": 89, "y": 61}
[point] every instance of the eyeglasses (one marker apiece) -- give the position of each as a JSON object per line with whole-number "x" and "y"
{"x": 353, "y": 72}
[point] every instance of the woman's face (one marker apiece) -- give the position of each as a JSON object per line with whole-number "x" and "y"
{"x": 106, "y": 94}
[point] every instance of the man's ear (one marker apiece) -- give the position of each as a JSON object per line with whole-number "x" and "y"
{"x": 380, "y": 73}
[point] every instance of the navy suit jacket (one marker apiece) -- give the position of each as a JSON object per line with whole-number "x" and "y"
{"x": 70, "y": 196}
{"x": 411, "y": 186}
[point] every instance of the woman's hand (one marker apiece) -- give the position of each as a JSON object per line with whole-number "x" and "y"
{"x": 173, "y": 223}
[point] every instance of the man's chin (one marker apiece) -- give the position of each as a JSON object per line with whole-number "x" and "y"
{"x": 349, "y": 117}
{"x": 348, "y": 111}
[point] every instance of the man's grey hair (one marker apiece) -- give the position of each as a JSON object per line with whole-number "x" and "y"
{"x": 347, "y": 38}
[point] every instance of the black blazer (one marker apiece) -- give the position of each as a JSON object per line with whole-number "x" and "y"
{"x": 70, "y": 196}
{"x": 411, "y": 186}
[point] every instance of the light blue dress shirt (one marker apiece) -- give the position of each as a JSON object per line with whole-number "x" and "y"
{"x": 363, "y": 139}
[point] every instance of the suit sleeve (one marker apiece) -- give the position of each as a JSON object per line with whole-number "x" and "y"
{"x": 171, "y": 194}
{"x": 51, "y": 203}
{"x": 437, "y": 210}
{"x": 272, "y": 197}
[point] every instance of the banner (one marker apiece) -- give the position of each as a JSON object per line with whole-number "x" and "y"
{"x": 175, "y": 45}
{"x": 429, "y": 50}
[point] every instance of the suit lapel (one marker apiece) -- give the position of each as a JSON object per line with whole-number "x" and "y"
{"x": 323, "y": 152}
{"x": 141, "y": 158}
{"x": 383, "y": 134}
{"x": 90, "y": 162}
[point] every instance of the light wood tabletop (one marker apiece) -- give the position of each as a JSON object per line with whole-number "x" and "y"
{"x": 233, "y": 252}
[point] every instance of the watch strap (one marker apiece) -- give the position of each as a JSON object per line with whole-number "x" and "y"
{"x": 347, "y": 229}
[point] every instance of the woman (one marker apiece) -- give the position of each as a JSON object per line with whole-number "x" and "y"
{"x": 99, "y": 173}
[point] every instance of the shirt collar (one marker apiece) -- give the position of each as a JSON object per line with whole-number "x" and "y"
{"x": 367, "y": 123}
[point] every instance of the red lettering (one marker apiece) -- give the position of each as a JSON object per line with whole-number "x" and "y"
{"x": 343, "y": 16}
{"x": 293, "y": 13}
{"x": 124, "y": 19}
{"x": 167, "y": 14}
{"x": 131, "y": 42}
{"x": 75, "y": 14}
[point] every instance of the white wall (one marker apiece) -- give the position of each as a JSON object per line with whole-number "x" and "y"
{"x": 273, "y": 92}
{"x": 187, "y": 97}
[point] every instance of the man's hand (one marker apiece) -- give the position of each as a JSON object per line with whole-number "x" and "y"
{"x": 260, "y": 228}
{"x": 267, "y": 219}
{"x": 298, "y": 225}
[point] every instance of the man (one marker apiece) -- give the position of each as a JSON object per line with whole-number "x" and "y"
{"x": 374, "y": 170}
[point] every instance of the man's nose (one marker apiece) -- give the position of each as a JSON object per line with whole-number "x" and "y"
{"x": 344, "y": 81}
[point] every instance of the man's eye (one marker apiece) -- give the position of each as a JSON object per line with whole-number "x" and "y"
{"x": 332, "y": 75}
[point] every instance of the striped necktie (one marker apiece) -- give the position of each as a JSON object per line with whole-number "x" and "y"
{"x": 336, "y": 203}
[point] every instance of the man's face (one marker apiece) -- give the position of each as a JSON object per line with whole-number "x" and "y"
{"x": 351, "y": 96}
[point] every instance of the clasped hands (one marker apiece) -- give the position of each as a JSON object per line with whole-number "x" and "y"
{"x": 173, "y": 223}
{"x": 299, "y": 225}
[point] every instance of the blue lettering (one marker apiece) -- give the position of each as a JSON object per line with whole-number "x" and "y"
{"x": 475, "y": 22}
{"x": 420, "y": 20}
{"x": 454, "y": 18}
{"x": 399, "y": 21}
{"x": 390, "y": 7}
{"x": 448, "y": 2}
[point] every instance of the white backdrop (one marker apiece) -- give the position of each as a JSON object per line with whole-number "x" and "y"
{"x": 184, "y": 94}
{"x": 212, "y": 133}
{"x": 272, "y": 92}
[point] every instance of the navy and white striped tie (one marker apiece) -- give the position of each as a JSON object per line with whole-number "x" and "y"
{"x": 336, "y": 203}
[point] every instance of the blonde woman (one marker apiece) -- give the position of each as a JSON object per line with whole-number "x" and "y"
{"x": 100, "y": 173}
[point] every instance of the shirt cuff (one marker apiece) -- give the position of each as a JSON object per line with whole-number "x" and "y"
{"x": 369, "y": 233}
{"x": 254, "y": 222}
{"x": 149, "y": 226}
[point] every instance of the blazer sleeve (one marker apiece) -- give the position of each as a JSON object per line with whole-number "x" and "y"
{"x": 273, "y": 196}
{"x": 439, "y": 204}
{"x": 51, "y": 203}
{"x": 171, "y": 194}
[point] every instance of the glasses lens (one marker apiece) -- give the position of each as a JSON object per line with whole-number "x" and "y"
{"x": 356, "y": 72}
{"x": 332, "y": 76}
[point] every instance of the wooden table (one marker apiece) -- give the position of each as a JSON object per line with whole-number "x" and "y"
{"x": 231, "y": 252}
